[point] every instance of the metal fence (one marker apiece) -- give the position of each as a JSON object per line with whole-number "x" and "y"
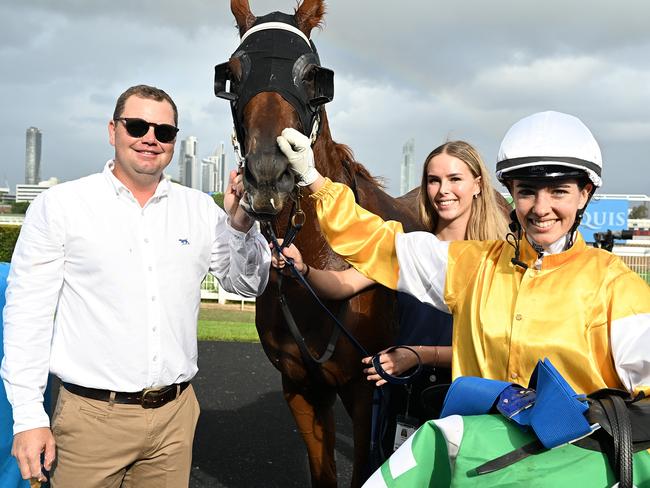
{"x": 210, "y": 290}
{"x": 636, "y": 257}
{"x": 638, "y": 260}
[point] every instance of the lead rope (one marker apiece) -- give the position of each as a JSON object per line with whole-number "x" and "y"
{"x": 304, "y": 282}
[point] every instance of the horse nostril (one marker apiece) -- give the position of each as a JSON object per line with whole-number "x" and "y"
{"x": 286, "y": 181}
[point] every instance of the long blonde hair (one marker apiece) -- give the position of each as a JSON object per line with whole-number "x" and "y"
{"x": 487, "y": 220}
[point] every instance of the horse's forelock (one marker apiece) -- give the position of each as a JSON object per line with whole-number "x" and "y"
{"x": 309, "y": 14}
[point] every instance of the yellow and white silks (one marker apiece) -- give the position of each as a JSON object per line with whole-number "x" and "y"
{"x": 582, "y": 308}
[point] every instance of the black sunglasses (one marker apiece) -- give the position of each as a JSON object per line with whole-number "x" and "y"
{"x": 139, "y": 127}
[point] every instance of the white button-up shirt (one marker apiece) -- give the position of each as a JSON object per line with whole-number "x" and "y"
{"x": 105, "y": 293}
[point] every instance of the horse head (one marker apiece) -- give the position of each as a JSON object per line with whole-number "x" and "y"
{"x": 273, "y": 80}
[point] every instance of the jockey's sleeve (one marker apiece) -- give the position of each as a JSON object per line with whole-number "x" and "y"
{"x": 629, "y": 312}
{"x": 415, "y": 263}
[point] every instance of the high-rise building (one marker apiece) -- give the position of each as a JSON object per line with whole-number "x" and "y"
{"x": 188, "y": 163}
{"x": 27, "y": 192}
{"x": 214, "y": 171}
{"x": 32, "y": 156}
{"x": 409, "y": 175}
{"x": 208, "y": 172}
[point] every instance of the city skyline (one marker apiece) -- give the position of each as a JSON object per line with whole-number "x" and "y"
{"x": 409, "y": 72}
{"x": 185, "y": 150}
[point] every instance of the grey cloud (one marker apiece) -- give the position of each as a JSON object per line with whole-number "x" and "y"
{"x": 429, "y": 70}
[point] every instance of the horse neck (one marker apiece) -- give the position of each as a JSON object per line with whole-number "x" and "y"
{"x": 329, "y": 159}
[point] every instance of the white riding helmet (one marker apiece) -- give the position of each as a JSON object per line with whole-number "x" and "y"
{"x": 549, "y": 145}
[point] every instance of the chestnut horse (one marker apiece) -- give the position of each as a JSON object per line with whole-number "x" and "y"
{"x": 267, "y": 96}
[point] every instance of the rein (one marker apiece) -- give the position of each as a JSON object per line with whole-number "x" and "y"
{"x": 300, "y": 340}
{"x": 297, "y": 220}
{"x": 339, "y": 327}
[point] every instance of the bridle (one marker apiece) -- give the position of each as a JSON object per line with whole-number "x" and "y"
{"x": 274, "y": 55}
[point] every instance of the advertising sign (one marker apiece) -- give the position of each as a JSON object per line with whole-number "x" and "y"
{"x": 603, "y": 215}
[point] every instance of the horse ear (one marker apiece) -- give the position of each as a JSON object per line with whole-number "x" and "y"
{"x": 243, "y": 15}
{"x": 309, "y": 15}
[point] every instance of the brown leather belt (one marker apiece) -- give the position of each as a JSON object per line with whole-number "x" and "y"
{"x": 147, "y": 398}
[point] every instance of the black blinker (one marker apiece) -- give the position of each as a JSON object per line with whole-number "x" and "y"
{"x": 323, "y": 86}
{"x": 221, "y": 76}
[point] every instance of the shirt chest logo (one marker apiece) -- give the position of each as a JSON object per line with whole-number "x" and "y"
{"x": 184, "y": 242}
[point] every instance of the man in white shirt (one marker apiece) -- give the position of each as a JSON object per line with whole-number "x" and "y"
{"x": 104, "y": 292}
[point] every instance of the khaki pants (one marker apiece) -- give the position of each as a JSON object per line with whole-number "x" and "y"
{"x": 99, "y": 445}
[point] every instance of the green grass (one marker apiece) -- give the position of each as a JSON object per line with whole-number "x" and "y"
{"x": 227, "y": 331}
{"x": 219, "y": 324}
{"x": 226, "y": 315}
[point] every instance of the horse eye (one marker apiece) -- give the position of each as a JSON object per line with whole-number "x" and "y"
{"x": 309, "y": 84}
{"x": 240, "y": 66}
{"x": 308, "y": 77}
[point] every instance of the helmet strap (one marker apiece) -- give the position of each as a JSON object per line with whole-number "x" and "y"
{"x": 514, "y": 239}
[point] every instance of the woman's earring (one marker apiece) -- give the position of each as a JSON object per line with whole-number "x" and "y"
{"x": 475, "y": 196}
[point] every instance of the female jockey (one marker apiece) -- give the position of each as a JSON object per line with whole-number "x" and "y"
{"x": 544, "y": 293}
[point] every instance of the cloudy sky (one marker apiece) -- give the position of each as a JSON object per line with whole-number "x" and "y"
{"x": 419, "y": 69}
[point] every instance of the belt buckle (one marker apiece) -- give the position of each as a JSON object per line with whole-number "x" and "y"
{"x": 150, "y": 397}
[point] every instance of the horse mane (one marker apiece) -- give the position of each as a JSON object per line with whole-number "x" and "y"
{"x": 344, "y": 153}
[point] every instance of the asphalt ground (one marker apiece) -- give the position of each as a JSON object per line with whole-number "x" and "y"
{"x": 246, "y": 436}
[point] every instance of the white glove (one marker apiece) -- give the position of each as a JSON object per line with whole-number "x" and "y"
{"x": 297, "y": 148}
